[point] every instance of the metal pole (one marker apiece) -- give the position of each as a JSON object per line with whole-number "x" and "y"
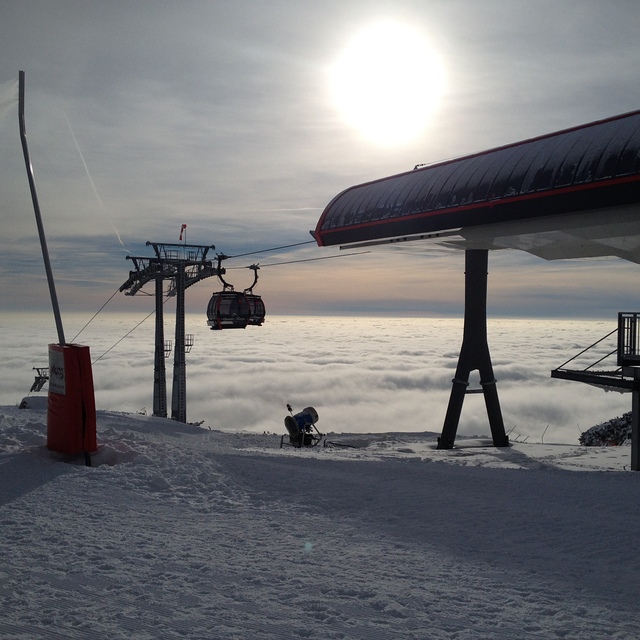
{"x": 159, "y": 369}
{"x": 179, "y": 390}
{"x": 635, "y": 421}
{"x": 36, "y": 208}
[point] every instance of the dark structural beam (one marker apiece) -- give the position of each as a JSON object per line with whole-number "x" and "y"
{"x": 474, "y": 355}
{"x": 159, "y": 366}
{"x": 179, "y": 389}
{"x": 635, "y": 422}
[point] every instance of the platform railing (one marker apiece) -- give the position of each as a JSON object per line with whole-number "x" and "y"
{"x": 582, "y": 366}
{"x": 628, "y": 338}
{"x": 626, "y": 378}
{"x": 590, "y": 349}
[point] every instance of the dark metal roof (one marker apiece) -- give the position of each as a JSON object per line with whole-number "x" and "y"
{"x": 590, "y": 167}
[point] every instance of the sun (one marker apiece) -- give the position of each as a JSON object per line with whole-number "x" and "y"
{"x": 387, "y": 83}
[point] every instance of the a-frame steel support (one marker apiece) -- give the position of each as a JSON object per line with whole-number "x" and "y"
{"x": 474, "y": 355}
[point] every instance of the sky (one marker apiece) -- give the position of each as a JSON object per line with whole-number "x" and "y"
{"x": 235, "y": 119}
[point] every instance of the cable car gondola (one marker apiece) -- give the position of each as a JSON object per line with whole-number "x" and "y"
{"x": 257, "y": 309}
{"x": 229, "y": 309}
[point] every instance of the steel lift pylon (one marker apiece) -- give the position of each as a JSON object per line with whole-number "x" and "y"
{"x": 182, "y": 265}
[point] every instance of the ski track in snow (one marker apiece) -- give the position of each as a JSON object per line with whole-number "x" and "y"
{"x": 179, "y": 532}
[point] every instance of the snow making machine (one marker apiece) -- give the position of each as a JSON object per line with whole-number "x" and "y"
{"x": 301, "y": 429}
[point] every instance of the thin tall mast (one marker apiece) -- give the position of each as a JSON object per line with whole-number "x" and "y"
{"x": 36, "y": 208}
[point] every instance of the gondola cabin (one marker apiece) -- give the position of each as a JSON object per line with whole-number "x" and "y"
{"x": 257, "y": 309}
{"x": 228, "y": 310}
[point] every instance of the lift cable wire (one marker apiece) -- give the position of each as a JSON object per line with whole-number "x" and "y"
{"x": 127, "y": 334}
{"x": 286, "y": 246}
{"x": 273, "y": 264}
{"x": 95, "y": 314}
{"x": 276, "y": 264}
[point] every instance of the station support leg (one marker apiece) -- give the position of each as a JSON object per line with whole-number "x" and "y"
{"x": 635, "y": 422}
{"x": 474, "y": 355}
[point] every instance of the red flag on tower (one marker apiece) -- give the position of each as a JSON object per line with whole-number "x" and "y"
{"x": 182, "y": 228}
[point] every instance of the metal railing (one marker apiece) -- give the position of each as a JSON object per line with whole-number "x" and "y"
{"x": 628, "y": 338}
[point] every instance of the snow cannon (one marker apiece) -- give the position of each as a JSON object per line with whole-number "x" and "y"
{"x": 306, "y": 418}
{"x": 301, "y": 428}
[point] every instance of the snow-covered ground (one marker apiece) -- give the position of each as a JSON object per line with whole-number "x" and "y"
{"x": 183, "y": 532}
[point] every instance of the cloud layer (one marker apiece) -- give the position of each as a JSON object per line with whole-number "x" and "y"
{"x": 361, "y": 374}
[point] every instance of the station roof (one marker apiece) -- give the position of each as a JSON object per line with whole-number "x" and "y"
{"x": 572, "y": 193}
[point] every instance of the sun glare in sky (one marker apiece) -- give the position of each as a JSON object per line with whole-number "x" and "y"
{"x": 387, "y": 83}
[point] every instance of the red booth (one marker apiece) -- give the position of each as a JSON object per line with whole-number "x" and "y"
{"x": 71, "y": 413}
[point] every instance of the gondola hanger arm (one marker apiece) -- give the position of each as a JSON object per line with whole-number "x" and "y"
{"x": 225, "y": 285}
{"x": 254, "y": 268}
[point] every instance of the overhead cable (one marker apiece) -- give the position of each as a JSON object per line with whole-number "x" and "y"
{"x": 286, "y": 246}
{"x": 126, "y": 335}
{"x": 275, "y": 264}
{"x": 95, "y": 314}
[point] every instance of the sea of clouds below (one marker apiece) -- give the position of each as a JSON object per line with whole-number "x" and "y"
{"x": 361, "y": 374}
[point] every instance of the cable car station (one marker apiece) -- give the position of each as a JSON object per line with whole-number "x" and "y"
{"x": 570, "y": 194}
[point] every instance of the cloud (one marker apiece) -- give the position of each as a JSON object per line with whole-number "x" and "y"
{"x": 361, "y": 374}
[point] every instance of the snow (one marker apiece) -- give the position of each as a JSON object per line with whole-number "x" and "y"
{"x": 178, "y": 531}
